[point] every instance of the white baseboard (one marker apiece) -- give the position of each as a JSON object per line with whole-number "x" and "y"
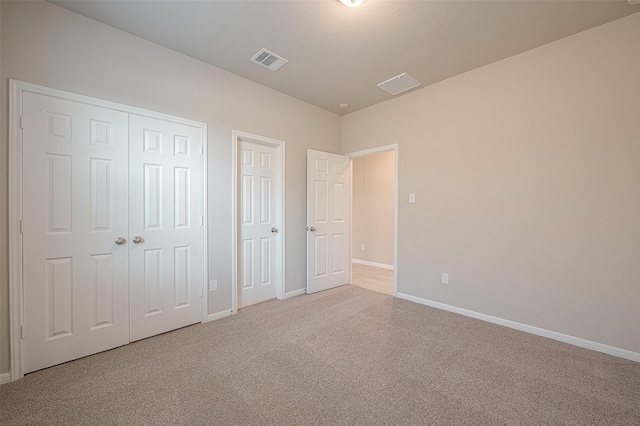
{"x": 377, "y": 265}
{"x": 295, "y": 293}
{"x": 5, "y": 378}
{"x": 576, "y": 341}
{"x": 218, "y": 315}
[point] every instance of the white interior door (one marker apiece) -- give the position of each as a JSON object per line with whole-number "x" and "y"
{"x": 166, "y": 220}
{"x": 328, "y": 232}
{"x": 76, "y": 293}
{"x": 260, "y": 224}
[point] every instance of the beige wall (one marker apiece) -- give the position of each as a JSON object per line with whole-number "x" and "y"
{"x": 47, "y": 45}
{"x": 373, "y": 203}
{"x": 526, "y": 175}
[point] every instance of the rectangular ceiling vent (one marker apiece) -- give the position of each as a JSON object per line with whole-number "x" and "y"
{"x": 268, "y": 59}
{"x": 398, "y": 84}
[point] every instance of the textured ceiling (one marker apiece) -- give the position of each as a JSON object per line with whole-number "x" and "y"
{"x": 339, "y": 54}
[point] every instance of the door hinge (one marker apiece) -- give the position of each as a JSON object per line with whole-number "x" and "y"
{"x": 201, "y": 291}
{"x": 21, "y": 226}
{"x": 201, "y": 220}
{"x": 22, "y": 331}
{"x": 21, "y": 121}
{"x": 201, "y": 149}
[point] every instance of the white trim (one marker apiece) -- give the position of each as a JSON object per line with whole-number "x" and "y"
{"x": 15, "y": 237}
{"x": 280, "y": 149}
{"x": 386, "y": 148}
{"x": 376, "y": 264}
{"x": 565, "y": 338}
{"x": 5, "y": 378}
{"x": 205, "y": 225}
{"x": 295, "y": 293}
{"x": 16, "y": 91}
{"x": 219, "y": 315}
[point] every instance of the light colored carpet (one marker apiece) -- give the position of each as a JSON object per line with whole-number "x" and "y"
{"x": 343, "y": 356}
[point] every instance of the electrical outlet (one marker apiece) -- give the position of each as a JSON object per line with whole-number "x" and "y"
{"x": 362, "y": 246}
{"x": 213, "y": 285}
{"x": 445, "y": 278}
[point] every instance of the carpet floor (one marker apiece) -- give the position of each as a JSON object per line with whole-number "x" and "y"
{"x": 344, "y": 356}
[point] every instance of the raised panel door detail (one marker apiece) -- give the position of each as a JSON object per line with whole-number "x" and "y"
{"x": 247, "y": 199}
{"x": 152, "y": 203}
{"x": 182, "y": 267}
{"x": 59, "y": 306}
{"x": 60, "y": 180}
{"x": 338, "y": 253}
{"x": 153, "y": 281}
{"x": 101, "y": 194}
{"x": 58, "y": 127}
{"x": 338, "y": 168}
{"x": 247, "y": 157}
{"x": 152, "y": 141}
{"x": 321, "y": 251}
{"x": 181, "y": 146}
{"x": 265, "y": 200}
{"x": 102, "y": 287}
{"x": 321, "y": 202}
{"x": 247, "y": 263}
{"x": 321, "y": 166}
{"x": 182, "y": 189}
{"x": 100, "y": 133}
{"x": 265, "y": 160}
{"x": 338, "y": 202}
{"x": 265, "y": 261}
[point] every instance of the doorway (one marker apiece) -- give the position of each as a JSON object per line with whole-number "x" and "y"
{"x": 374, "y": 219}
{"x": 258, "y": 219}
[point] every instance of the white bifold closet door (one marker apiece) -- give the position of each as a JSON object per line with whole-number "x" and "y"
{"x": 75, "y": 205}
{"x": 112, "y": 228}
{"x": 166, "y": 263}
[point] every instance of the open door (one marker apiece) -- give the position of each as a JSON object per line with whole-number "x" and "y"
{"x": 328, "y": 232}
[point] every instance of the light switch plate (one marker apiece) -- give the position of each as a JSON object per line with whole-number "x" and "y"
{"x": 412, "y": 198}
{"x": 213, "y": 285}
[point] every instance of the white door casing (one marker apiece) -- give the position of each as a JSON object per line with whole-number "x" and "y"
{"x": 260, "y": 224}
{"x": 328, "y": 220}
{"x": 76, "y": 294}
{"x": 166, "y": 213}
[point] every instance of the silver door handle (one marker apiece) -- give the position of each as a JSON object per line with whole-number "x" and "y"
{"x": 274, "y": 230}
{"x": 137, "y": 239}
{"x": 120, "y": 241}
{"x": 312, "y": 229}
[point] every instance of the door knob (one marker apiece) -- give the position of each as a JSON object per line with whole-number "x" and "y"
{"x": 312, "y": 229}
{"x": 274, "y": 230}
{"x": 120, "y": 241}
{"x": 137, "y": 239}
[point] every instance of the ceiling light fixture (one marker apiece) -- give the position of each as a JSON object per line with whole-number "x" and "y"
{"x": 344, "y": 106}
{"x": 352, "y": 3}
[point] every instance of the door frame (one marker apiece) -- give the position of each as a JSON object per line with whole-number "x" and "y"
{"x": 279, "y": 145}
{"x": 386, "y": 148}
{"x": 16, "y": 301}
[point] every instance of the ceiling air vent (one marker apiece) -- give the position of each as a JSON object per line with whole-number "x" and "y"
{"x": 268, "y": 59}
{"x": 398, "y": 84}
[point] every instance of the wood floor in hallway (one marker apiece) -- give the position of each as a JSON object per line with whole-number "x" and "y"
{"x": 372, "y": 278}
